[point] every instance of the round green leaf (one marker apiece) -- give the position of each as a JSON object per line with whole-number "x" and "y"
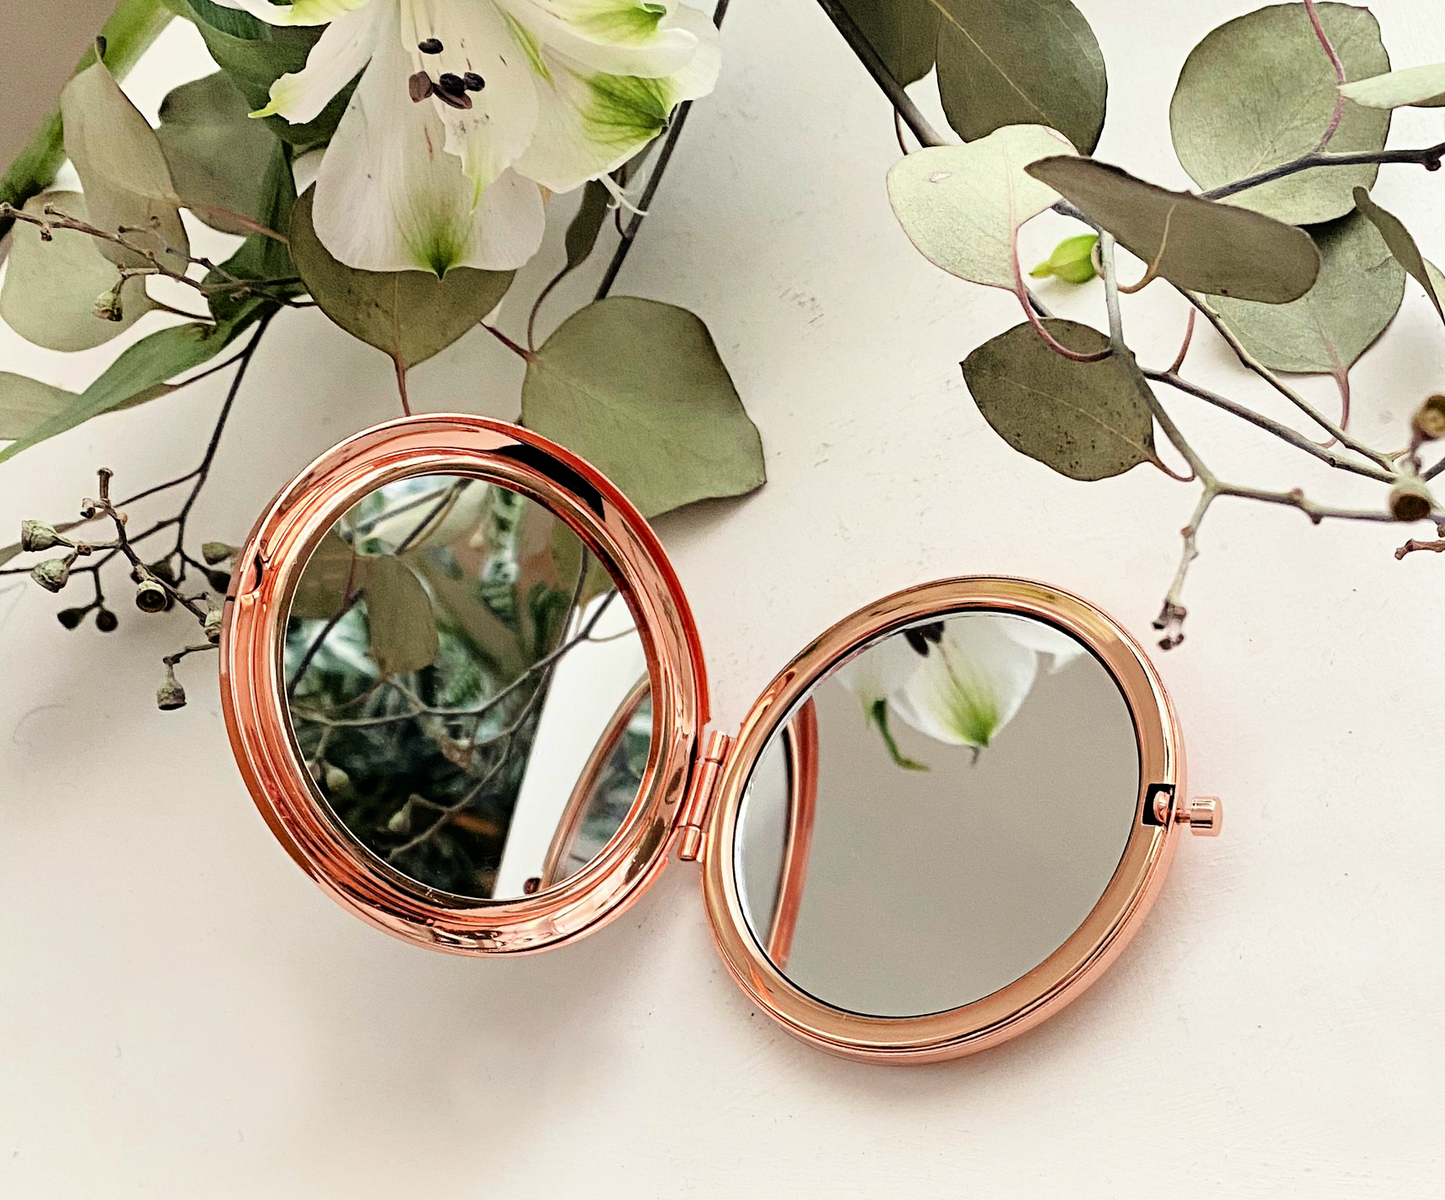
{"x": 1421, "y": 87}
{"x": 218, "y": 156}
{"x": 1259, "y": 92}
{"x": 1020, "y": 62}
{"x": 122, "y": 171}
{"x": 1357, "y": 294}
{"x": 904, "y": 32}
{"x": 1086, "y": 420}
{"x": 51, "y": 287}
{"x": 638, "y": 389}
{"x": 409, "y": 315}
{"x": 962, "y": 205}
{"x": 1199, "y": 244}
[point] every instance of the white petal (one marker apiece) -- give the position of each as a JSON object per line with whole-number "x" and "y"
{"x": 490, "y": 135}
{"x": 342, "y": 50}
{"x": 591, "y": 122}
{"x": 622, "y": 37}
{"x": 1045, "y": 639}
{"x": 389, "y": 197}
{"x": 880, "y": 670}
{"x": 971, "y": 685}
{"x": 302, "y": 12}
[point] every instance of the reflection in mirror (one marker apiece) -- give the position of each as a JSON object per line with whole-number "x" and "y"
{"x": 466, "y": 687}
{"x": 939, "y": 816}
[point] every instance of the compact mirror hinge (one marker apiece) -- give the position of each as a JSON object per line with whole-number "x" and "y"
{"x": 693, "y": 817}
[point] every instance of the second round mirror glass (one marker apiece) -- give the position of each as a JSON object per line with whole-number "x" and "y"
{"x": 939, "y": 815}
{"x": 467, "y": 687}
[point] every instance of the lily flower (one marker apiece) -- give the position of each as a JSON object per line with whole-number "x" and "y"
{"x": 1045, "y": 639}
{"x": 467, "y": 110}
{"x": 971, "y": 683}
{"x": 877, "y": 675}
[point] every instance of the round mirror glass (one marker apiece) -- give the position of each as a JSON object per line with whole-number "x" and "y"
{"x": 939, "y": 815}
{"x": 466, "y": 686}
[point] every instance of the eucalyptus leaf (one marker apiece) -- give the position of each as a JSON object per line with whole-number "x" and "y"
{"x": 141, "y": 373}
{"x": 333, "y": 570}
{"x": 1020, "y": 62}
{"x": 218, "y": 156}
{"x": 1259, "y": 92}
{"x": 903, "y": 32}
{"x": 1420, "y": 87}
{"x": 638, "y": 389}
{"x": 409, "y": 315}
{"x": 254, "y": 55}
{"x": 399, "y": 614}
{"x": 1086, "y": 420}
{"x": 584, "y": 228}
{"x": 1202, "y": 245}
{"x": 26, "y": 403}
{"x": 122, "y": 171}
{"x": 51, "y": 288}
{"x": 262, "y": 257}
{"x": 961, "y": 206}
{"x": 1357, "y": 294}
{"x": 1403, "y": 247}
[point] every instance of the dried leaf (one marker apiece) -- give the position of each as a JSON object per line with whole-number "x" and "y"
{"x": 1258, "y": 92}
{"x": 1020, "y": 62}
{"x": 1357, "y": 294}
{"x": 1086, "y": 420}
{"x": 638, "y": 388}
{"x": 962, "y": 205}
{"x": 1199, "y": 244}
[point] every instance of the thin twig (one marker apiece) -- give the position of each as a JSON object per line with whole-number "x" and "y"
{"x": 1428, "y": 157}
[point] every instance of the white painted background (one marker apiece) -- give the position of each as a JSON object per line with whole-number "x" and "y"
{"x": 183, "y": 1015}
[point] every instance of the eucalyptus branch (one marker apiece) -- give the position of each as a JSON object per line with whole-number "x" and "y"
{"x": 1428, "y": 157}
{"x": 873, "y": 63}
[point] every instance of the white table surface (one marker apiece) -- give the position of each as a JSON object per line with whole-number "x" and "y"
{"x": 182, "y": 1014}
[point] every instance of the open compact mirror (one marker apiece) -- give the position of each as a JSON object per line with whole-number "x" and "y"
{"x": 467, "y": 693}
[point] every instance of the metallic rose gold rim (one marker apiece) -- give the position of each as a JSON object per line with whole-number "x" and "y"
{"x": 801, "y": 738}
{"x": 1069, "y": 970}
{"x": 260, "y": 732}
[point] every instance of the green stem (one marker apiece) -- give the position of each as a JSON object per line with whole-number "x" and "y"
{"x": 128, "y": 33}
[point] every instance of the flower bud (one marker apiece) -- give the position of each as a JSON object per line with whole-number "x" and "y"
{"x": 162, "y": 569}
{"x": 336, "y": 779}
{"x": 1429, "y": 418}
{"x": 53, "y": 574}
{"x": 151, "y": 596}
{"x": 212, "y": 625}
{"x": 216, "y": 552}
{"x": 106, "y": 621}
{"x": 1072, "y": 260}
{"x": 71, "y": 617}
{"x": 108, "y": 305}
{"x": 1410, "y": 500}
{"x": 37, "y": 535}
{"x": 170, "y": 694}
{"x": 220, "y": 581}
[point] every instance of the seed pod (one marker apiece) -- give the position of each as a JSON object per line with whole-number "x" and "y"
{"x": 106, "y": 621}
{"x": 37, "y": 535}
{"x": 212, "y": 625}
{"x": 170, "y": 694}
{"x": 71, "y": 617}
{"x": 53, "y": 574}
{"x": 216, "y": 552}
{"x": 1429, "y": 418}
{"x": 162, "y": 569}
{"x": 220, "y": 581}
{"x": 336, "y": 779}
{"x": 151, "y": 596}
{"x": 108, "y": 305}
{"x": 1410, "y": 500}
{"x": 419, "y": 86}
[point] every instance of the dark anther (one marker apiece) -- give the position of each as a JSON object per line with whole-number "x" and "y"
{"x": 921, "y": 635}
{"x": 473, "y": 81}
{"x": 457, "y": 100}
{"x": 430, "y": 46}
{"x": 420, "y": 86}
{"x": 451, "y": 83}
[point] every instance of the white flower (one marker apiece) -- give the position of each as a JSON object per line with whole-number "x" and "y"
{"x": 1045, "y": 639}
{"x": 522, "y": 95}
{"x": 971, "y": 682}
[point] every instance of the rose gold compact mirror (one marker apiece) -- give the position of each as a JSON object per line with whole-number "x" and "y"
{"x": 467, "y": 693}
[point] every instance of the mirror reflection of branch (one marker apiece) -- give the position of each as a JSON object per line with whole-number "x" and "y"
{"x": 421, "y": 646}
{"x": 1299, "y": 274}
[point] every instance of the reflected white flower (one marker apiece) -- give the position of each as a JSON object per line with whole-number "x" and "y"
{"x": 970, "y": 684}
{"x": 467, "y": 109}
{"x": 877, "y": 675}
{"x": 1045, "y": 639}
